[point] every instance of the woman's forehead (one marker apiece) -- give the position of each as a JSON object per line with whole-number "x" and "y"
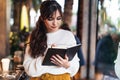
{"x": 55, "y": 13}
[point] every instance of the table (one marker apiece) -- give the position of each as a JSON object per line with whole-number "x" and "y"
{"x": 11, "y": 75}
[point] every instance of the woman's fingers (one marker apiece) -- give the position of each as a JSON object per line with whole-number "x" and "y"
{"x": 58, "y": 60}
{"x": 66, "y": 57}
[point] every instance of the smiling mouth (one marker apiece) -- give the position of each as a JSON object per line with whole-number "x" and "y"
{"x": 54, "y": 27}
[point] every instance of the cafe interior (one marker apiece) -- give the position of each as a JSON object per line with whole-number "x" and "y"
{"x": 90, "y": 20}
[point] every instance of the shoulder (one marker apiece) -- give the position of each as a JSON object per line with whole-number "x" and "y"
{"x": 65, "y": 32}
{"x": 105, "y": 40}
{"x": 68, "y": 34}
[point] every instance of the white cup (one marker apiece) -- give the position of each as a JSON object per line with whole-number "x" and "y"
{"x": 5, "y": 64}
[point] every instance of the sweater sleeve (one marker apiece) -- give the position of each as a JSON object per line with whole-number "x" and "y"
{"x": 31, "y": 65}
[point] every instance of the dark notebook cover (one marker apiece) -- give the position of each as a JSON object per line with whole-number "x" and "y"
{"x": 53, "y": 51}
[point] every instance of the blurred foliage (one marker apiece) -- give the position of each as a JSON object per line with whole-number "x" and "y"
{"x": 109, "y": 22}
{"x": 14, "y": 41}
{"x": 16, "y": 38}
{"x": 35, "y": 3}
{"x": 118, "y": 22}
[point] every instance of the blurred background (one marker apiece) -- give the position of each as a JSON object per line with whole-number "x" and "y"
{"x": 90, "y": 20}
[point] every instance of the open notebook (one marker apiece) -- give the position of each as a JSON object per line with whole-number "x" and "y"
{"x": 71, "y": 51}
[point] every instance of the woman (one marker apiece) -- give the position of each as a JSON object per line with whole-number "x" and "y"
{"x": 48, "y": 34}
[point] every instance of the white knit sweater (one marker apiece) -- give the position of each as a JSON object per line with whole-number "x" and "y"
{"x": 62, "y": 38}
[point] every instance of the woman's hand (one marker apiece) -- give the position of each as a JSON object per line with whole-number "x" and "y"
{"x": 56, "y": 59}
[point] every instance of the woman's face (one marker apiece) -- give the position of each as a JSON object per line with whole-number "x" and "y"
{"x": 53, "y": 23}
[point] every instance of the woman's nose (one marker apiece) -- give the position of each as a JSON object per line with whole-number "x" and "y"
{"x": 55, "y": 22}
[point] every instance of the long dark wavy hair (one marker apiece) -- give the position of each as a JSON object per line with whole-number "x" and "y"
{"x": 38, "y": 38}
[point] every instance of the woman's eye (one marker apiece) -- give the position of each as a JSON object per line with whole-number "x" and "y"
{"x": 59, "y": 18}
{"x": 50, "y": 18}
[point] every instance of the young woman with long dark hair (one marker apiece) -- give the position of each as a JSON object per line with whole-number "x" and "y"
{"x": 46, "y": 34}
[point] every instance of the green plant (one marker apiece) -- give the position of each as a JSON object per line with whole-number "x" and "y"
{"x": 14, "y": 41}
